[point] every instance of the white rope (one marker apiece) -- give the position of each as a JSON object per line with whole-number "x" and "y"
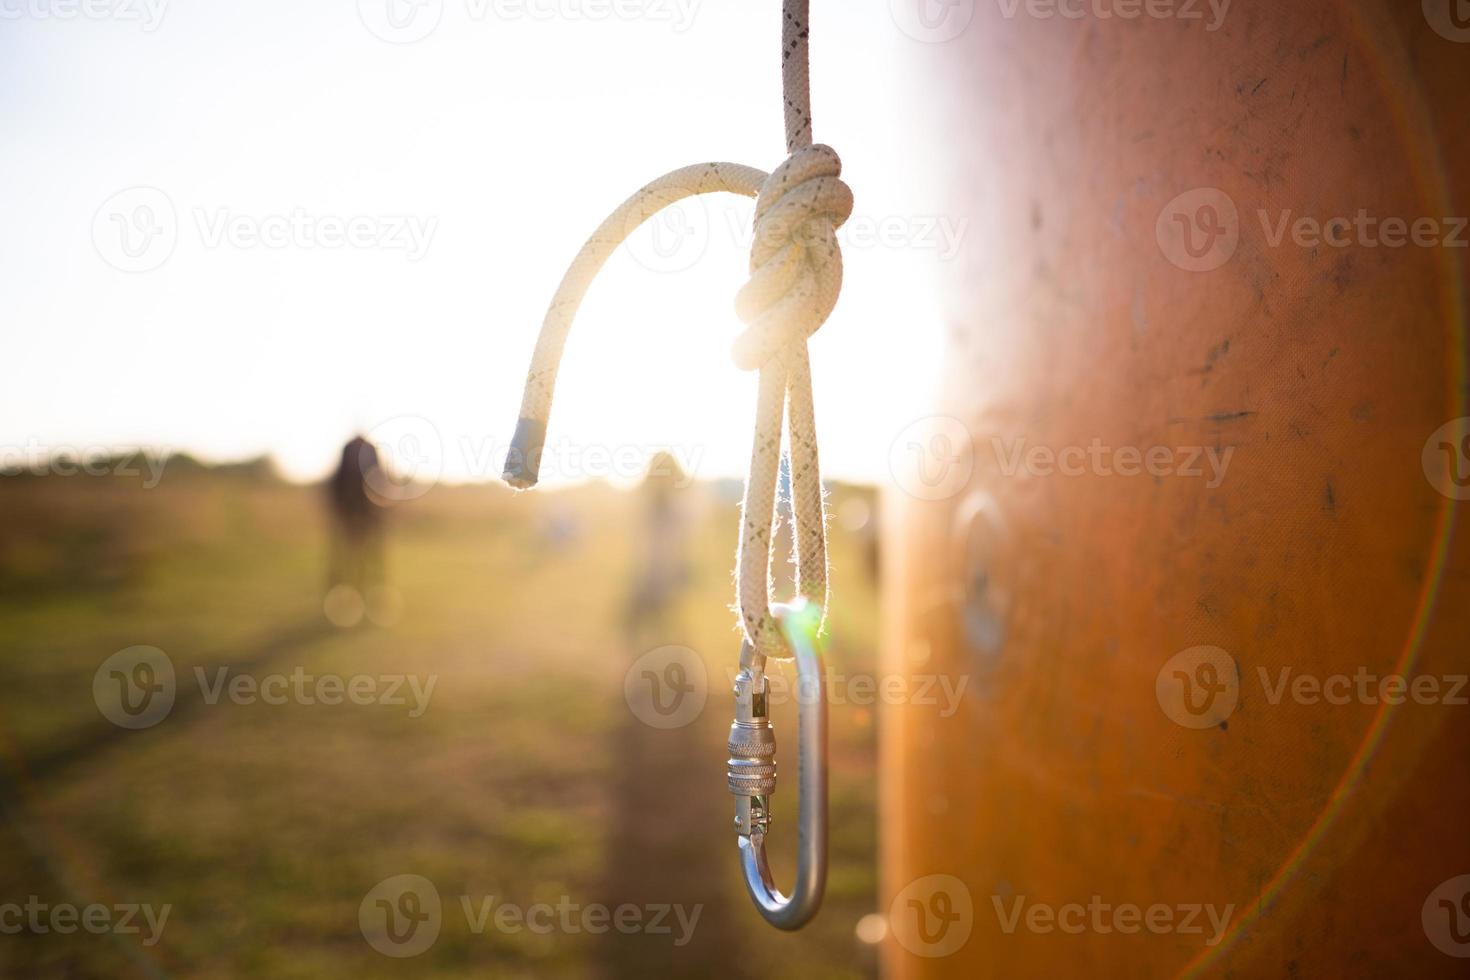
{"x": 795, "y": 277}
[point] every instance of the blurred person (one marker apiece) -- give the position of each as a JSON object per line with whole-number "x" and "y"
{"x": 355, "y": 575}
{"x": 664, "y": 568}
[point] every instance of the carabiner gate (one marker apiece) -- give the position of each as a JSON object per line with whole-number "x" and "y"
{"x": 751, "y": 770}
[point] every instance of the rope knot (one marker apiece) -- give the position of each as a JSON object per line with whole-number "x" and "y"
{"x": 795, "y": 261}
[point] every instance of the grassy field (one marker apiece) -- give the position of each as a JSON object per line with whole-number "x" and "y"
{"x": 526, "y": 779}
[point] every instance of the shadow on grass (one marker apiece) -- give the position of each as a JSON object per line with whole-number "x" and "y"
{"x": 671, "y": 842}
{"x": 93, "y": 740}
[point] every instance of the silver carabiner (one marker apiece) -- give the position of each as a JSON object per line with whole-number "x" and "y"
{"x": 751, "y": 770}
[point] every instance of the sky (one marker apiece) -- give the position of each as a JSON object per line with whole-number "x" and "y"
{"x": 233, "y": 229}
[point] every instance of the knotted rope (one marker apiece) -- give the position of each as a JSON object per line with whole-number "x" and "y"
{"x": 795, "y": 277}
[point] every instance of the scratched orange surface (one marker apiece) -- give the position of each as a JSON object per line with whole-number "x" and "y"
{"x": 1324, "y": 549}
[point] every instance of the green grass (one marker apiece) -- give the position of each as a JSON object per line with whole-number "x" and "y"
{"x": 528, "y": 778}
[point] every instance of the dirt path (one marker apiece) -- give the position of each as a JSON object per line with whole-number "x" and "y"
{"x": 670, "y": 840}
